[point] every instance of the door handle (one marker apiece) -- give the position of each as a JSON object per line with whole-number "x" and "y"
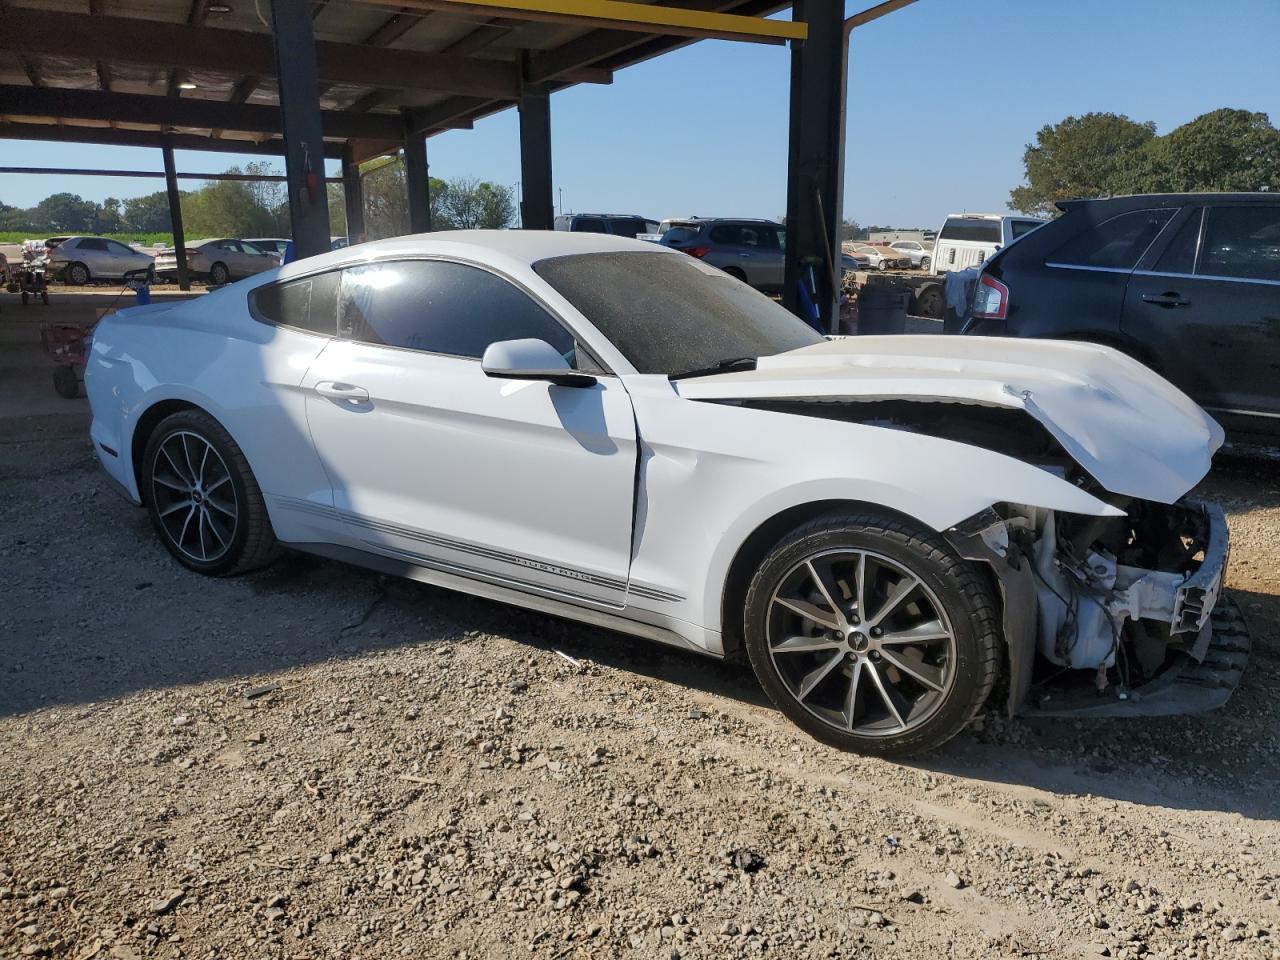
{"x": 342, "y": 391}
{"x": 744, "y": 254}
{"x": 1168, "y": 299}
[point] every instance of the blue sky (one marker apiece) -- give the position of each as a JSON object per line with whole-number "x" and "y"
{"x": 943, "y": 96}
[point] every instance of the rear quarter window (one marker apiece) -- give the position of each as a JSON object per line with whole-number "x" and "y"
{"x": 308, "y": 303}
{"x": 1114, "y": 244}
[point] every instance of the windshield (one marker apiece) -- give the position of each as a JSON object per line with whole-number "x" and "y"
{"x": 670, "y": 313}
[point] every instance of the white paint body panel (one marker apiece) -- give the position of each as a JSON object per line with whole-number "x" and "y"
{"x": 534, "y": 488}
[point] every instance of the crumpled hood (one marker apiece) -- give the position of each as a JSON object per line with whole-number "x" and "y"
{"x": 1132, "y": 430}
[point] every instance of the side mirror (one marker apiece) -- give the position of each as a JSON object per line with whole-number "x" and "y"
{"x": 531, "y": 360}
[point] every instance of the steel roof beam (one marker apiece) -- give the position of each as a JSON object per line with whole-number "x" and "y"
{"x": 63, "y": 104}
{"x": 147, "y": 138}
{"x": 624, "y": 15}
{"x": 244, "y": 53}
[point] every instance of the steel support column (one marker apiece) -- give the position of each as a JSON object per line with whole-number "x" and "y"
{"x": 538, "y": 207}
{"x": 175, "y": 217}
{"x": 295, "y": 50}
{"x": 353, "y": 195}
{"x": 815, "y": 165}
{"x": 417, "y": 177}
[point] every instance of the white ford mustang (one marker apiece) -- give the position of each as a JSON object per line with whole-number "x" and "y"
{"x": 618, "y": 433}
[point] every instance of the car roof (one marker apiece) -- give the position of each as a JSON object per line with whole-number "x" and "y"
{"x": 993, "y": 216}
{"x": 1169, "y": 199}
{"x": 525, "y": 247}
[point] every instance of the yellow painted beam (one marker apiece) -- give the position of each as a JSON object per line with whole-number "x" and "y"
{"x": 623, "y": 15}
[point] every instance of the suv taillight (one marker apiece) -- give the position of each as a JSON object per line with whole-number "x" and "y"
{"x": 990, "y": 299}
{"x": 698, "y": 252}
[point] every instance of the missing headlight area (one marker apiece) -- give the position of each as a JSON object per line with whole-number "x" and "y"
{"x": 1128, "y": 613}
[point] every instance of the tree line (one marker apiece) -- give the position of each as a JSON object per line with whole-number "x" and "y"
{"x": 1108, "y": 154}
{"x": 257, "y": 208}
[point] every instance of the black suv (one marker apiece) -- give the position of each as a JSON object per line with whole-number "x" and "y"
{"x": 619, "y": 224}
{"x": 1188, "y": 283}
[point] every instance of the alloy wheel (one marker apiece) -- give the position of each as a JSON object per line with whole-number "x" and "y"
{"x": 861, "y": 643}
{"x": 194, "y": 497}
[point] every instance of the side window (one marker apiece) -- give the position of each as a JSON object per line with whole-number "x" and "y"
{"x": 589, "y": 225}
{"x": 92, "y": 243}
{"x": 1117, "y": 243}
{"x": 1180, "y": 255}
{"x": 726, "y": 233}
{"x": 1242, "y": 242}
{"x": 309, "y": 303}
{"x": 118, "y": 248}
{"x": 441, "y": 307}
{"x": 626, "y": 227}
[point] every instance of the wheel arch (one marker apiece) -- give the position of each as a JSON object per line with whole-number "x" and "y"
{"x": 147, "y": 421}
{"x": 757, "y": 544}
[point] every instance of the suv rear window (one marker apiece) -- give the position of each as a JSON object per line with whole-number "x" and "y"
{"x": 1115, "y": 244}
{"x": 971, "y": 229}
{"x": 681, "y": 235}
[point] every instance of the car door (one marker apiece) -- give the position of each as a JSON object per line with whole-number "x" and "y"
{"x": 93, "y": 253}
{"x": 523, "y": 483}
{"x": 125, "y": 258}
{"x": 1208, "y": 304}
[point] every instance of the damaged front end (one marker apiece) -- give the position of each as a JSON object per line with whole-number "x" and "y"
{"x": 1113, "y": 616}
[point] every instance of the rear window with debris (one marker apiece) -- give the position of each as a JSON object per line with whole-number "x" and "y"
{"x": 670, "y": 313}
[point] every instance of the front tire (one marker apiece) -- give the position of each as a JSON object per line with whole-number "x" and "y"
{"x": 205, "y": 505}
{"x": 871, "y": 634}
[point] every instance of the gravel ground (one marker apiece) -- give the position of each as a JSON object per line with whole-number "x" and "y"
{"x": 318, "y": 762}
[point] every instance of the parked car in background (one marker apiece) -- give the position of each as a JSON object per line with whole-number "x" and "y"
{"x": 1188, "y": 284}
{"x": 274, "y": 245}
{"x": 217, "y": 261}
{"x": 666, "y": 225}
{"x": 880, "y": 257}
{"x": 751, "y": 250}
{"x": 881, "y": 524}
{"x": 617, "y": 224}
{"x": 854, "y": 261}
{"x": 80, "y": 260}
{"x": 969, "y": 239}
{"x": 921, "y": 256}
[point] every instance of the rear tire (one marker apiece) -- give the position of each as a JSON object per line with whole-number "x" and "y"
{"x": 219, "y": 274}
{"x": 872, "y": 634}
{"x": 736, "y": 273}
{"x": 205, "y": 505}
{"x": 929, "y": 302}
{"x": 65, "y": 382}
{"x": 926, "y": 263}
{"x": 78, "y": 275}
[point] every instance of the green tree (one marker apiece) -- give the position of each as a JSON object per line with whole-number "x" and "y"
{"x": 226, "y": 208}
{"x": 1226, "y": 149}
{"x": 1083, "y": 156}
{"x": 108, "y": 217}
{"x": 148, "y": 213}
{"x": 63, "y": 213}
{"x": 470, "y": 204}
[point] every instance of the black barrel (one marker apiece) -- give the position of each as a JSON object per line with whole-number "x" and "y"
{"x": 882, "y": 309}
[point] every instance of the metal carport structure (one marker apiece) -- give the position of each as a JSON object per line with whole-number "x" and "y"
{"x": 355, "y": 79}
